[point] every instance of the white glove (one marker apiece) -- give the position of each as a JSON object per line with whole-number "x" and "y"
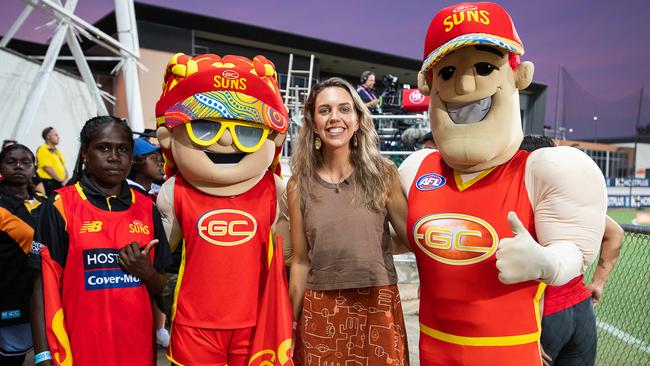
{"x": 522, "y": 258}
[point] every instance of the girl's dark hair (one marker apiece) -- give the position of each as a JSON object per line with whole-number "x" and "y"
{"x": 89, "y": 132}
{"x": 10, "y": 148}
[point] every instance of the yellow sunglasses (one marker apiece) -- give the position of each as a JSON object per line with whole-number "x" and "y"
{"x": 248, "y": 136}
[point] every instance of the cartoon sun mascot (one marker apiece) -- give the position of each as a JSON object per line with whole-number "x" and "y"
{"x": 221, "y": 127}
{"x": 491, "y": 225}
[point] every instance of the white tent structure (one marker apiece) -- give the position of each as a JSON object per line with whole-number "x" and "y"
{"x": 65, "y": 104}
{"x": 34, "y": 96}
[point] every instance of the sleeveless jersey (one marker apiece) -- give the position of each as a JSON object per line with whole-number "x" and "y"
{"x": 454, "y": 230}
{"x": 219, "y": 279}
{"x": 107, "y": 311}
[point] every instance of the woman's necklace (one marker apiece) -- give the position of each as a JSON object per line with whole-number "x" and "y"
{"x": 337, "y": 188}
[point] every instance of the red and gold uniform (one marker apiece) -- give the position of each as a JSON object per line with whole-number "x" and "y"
{"x": 219, "y": 280}
{"x": 95, "y": 312}
{"x": 454, "y": 229}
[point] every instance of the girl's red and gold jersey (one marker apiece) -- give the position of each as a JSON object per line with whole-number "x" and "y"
{"x": 96, "y": 313}
{"x": 454, "y": 229}
{"x": 225, "y": 237}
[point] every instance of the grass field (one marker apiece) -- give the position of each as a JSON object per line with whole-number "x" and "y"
{"x": 625, "y": 215}
{"x": 624, "y": 313}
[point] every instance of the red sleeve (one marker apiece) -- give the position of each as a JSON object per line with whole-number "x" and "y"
{"x": 57, "y": 336}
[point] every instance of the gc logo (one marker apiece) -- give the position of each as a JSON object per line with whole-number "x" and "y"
{"x": 455, "y": 239}
{"x": 227, "y": 227}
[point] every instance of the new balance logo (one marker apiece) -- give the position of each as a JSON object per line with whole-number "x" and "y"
{"x": 91, "y": 227}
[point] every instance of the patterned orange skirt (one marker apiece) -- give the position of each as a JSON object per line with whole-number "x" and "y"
{"x": 363, "y": 327}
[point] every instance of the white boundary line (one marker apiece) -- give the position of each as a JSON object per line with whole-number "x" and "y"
{"x": 625, "y": 337}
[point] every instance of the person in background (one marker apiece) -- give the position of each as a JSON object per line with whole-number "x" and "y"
{"x": 51, "y": 164}
{"x": 147, "y": 168}
{"x": 569, "y": 323}
{"x": 19, "y": 208}
{"x": 92, "y": 254}
{"x": 427, "y": 141}
{"x": 366, "y": 91}
{"x": 37, "y": 182}
{"x": 341, "y": 197}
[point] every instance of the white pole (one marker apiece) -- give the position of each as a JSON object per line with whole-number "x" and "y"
{"x": 17, "y": 24}
{"x": 128, "y": 37}
{"x": 39, "y": 85}
{"x": 85, "y": 72}
{"x": 64, "y": 15}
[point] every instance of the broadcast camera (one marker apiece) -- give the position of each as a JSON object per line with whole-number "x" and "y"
{"x": 391, "y": 98}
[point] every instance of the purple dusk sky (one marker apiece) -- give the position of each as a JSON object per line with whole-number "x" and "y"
{"x": 603, "y": 45}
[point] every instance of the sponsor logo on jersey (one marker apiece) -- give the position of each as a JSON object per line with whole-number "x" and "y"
{"x": 101, "y": 258}
{"x": 102, "y": 270}
{"x": 112, "y": 278}
{"x": 429, "y": 182}
{"x": 91, "y": 227}
{"x": 137, "y": 227}
{"x": 227, "y": 227}
{"x": 455, "y": 239}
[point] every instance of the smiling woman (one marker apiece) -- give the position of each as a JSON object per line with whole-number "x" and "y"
{"x": 341, "y": 197}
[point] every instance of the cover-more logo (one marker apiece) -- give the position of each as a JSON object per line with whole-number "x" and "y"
{"x": 455, "y": 239}
{"x": 91, "y": 227}
{"x": 227, "y": 227}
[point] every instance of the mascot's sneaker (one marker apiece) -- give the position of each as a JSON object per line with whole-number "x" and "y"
{"x": 162, "y": 337}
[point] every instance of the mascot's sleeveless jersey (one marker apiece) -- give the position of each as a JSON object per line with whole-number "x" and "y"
{"x": 218, "y": 283}
{"x": 454, "y": 230}
{"x": 107, "y": 311}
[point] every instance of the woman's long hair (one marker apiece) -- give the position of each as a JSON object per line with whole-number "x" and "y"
{"x": 373, "y": 173}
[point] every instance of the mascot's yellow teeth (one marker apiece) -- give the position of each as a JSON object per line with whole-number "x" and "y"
{"x": 462, "y": 113}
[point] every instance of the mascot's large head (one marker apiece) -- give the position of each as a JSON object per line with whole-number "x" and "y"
{"x": 473, "y": 73}
{"x": 221, "y": 121}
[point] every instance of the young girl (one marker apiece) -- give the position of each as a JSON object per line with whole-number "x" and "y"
{"x": 19, "y": 206}
{"x": 95, "y": 244}
{"x": 341, "y": 196}
{"x": 147, "y": 168}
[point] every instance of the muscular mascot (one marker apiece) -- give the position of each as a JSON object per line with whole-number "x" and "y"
{"x": 221, "y": 126}
{"x": 491, "y": 226}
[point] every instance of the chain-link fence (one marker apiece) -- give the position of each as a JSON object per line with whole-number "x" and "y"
{"x": 623, "y": 316}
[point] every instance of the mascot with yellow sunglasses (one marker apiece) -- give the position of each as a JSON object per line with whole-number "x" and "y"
{"x": 221, "y": 125}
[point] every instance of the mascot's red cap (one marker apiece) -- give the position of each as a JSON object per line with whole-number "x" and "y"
{"x": 229, "y": 87}
{"x": 469, "y": 24}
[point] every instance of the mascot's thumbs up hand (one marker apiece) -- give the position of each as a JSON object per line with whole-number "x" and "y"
{"x": 522, "y": 258}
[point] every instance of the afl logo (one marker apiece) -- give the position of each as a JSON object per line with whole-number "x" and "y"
{"x": 227, "y": 227}
{"x": 429, "y": 182}
{"x": 455, "y": 239}
{"x": 416, "y": 97}
{"x": 230, "y": 74}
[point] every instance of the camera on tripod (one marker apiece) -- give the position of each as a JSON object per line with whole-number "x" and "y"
{"x": 391, "y": 98}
